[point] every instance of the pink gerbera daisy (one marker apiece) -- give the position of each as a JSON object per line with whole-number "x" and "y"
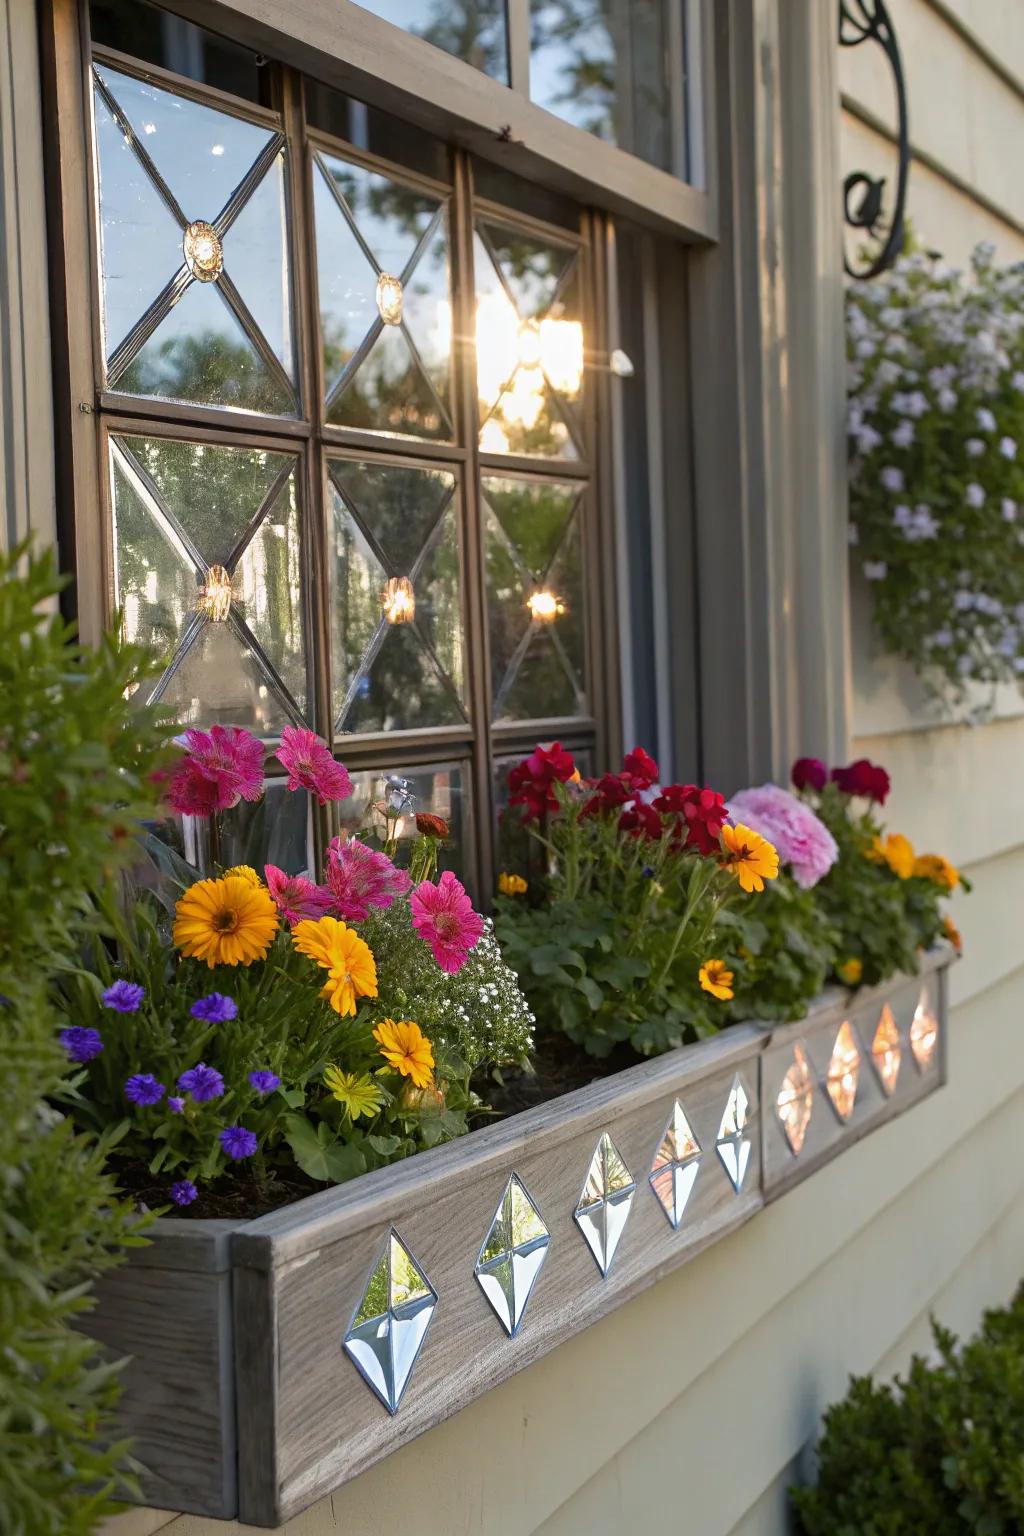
{"x": 360, "y": 878}
{"x": 310, "y": 765}
{"x": 296, "y": 897}
{"x": 443, "y": 916}
{"x": 221, "y": 766}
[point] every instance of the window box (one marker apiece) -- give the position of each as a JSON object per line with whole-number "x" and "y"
{"x": 249, "y": 1392}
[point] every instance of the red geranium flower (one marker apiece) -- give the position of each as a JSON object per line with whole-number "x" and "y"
{"x": 531, "y": 782}
{"x": 810, "y": 773}
{"x": 863, "y": 778}
{"x": 640, "y": 820}
{"x": 702, "y": 810}
{"x": 640, "y": 769}
{"x": 607, "y": 794}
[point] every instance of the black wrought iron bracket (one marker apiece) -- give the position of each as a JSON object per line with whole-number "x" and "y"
{"x": 864, "y": 21}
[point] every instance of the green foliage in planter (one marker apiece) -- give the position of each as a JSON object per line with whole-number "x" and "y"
{"x": 941, "y": 1451}
{"x": 936, "y": 426}
{"x": 75, "y": 760}
{"x": 781, "y": 950}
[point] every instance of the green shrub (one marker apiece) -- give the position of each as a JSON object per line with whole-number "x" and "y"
{"x": 75, "y": 760}
{"x": 941, "y": 1452}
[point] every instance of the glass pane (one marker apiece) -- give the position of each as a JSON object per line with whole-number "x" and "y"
{"x": 274, "y": 830}
{"x": 534, "y": 598}
{"x": 392, "y": 378}
{"x": 134, "y": 27}
{"x": 178, "y": 510}
{"x": 395, "y": 667}
{"x": 442, "y": 788}
{"x": 168, "y": 333}
{"x": 473, "y": 30}
{"x": 603, "y": 65}
{"x": 529, "y": 345}
{"x": 515, "y": 850}
{"x": 369, "y": 128}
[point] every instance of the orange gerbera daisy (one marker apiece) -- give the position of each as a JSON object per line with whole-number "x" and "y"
{"x": 750, "y": 857}
{"x": 347, "y": 959}
{"x": 405, "y": 1047}
{"x": 225, "y": 922}
{"x": 716, "y": 978}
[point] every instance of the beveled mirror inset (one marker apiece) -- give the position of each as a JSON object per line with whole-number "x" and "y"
{"x": 391, "y": 1322}
{"x": 604, "y": 1202}
{"x": 512, "y": 1255}
{"x": 843, "y": 1072}
{"x": 676, "y": 1166}
{"x": 924, "y": 1032}
{"x": 732, "y": 1143}
{"x": 795, "y": 1101}
{"x": 885, "y": 1052}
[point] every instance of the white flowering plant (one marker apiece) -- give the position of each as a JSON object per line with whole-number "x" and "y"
{"x": 936, "y": 432}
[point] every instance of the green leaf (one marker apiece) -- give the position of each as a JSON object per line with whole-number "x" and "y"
{"x": 320, "y": 1154}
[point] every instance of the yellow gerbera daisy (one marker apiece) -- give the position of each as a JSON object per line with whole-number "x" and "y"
{"x": 347, "y": 959}
{"x": 932, "y": 866}
{"x": 716, "y": 978}
{"x": 356, "y": 1091}
{"x": 225, "y": 922}
{"x": 851, "y": 971}
{"x": 511, "y": 885}
{"x": 405, "y": 1047}
{"x": 751, "y": 857}
{"x": 245, "y": 872}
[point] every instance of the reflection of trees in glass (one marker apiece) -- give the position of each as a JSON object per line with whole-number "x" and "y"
{"x": 205, "y": 368}
{"x": 473, "y": 30}
{"x": 378, "y": 1294}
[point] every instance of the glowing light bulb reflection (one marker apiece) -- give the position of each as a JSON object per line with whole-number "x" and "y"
{"x": 214, "y": 597}
{"x": 203, "y": 252}
{"x": 390, "y": 298}
{"x": 398, "y": 600}
{"x": 522, "y": 358}
{"x": 544, "y": 606}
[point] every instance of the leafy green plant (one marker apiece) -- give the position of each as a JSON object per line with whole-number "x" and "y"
{"x": 75, "y": 767}
{"x": 936, "y": 426}
{"x": 781, "y": 950}
{"x": 940, "y": 1451}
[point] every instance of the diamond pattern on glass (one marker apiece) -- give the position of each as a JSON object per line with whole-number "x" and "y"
{"x": 604, "y": 1202}
{"x": 196, "y": 285}
{"x": 529, "y": 344}
{"x": 391, "y": 1322}
{"x": 390, "y": 522}
{"x": 676, "y": 1166}
{"x": 924, "y": 1032}
{"x": 843, "y": 1072}
{"x": 795, "y": 1101}
{"x": 385, "y": 301}
{"x": 532, "y": 533}
{"x": 886, "y": 1054}
{"x": 733, "y": 1143}
{"x": 183, "y": 513}
{"x": 512, "y": 1255}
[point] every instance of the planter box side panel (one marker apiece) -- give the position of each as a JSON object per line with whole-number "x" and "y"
{"x": 330, "y": 1425}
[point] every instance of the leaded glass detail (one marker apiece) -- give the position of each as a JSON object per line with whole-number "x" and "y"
{"x": 512, "y": 1255}
{"x": 181, "y": 510}
{"x": 733, "y": 1143}
{"x": 676, "y": 1166}
{"x": 794, "y": 1103}
{"x": 385, "y": 302}
{"x": 390, "y": 1323}
{"x": 924, "y": 1032}
{"x": 843, "y": 1072}
{"x": 529, "y": 344}
{"x": 886, "y": 1054}
{"x": 533, "y": 544}
{"x": 604, "y": 1202}
{"x": 180, "y": 180}
{"x": 388, "y": 521}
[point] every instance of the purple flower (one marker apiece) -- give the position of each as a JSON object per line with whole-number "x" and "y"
{"x": 184, "y": 1192}
{"x": 264, "y": 1082}
{"x": 175, "y": 1105}
{"x": 81, "y": 1044}
{"x": 215, "y": 1009}
{"x": 143, "y": 1088}
{"x": 238, "y": 1142}
{"x": 202, "y": 1082}
{"x": 123, "y": 996}
{"x": 803, "y": 842}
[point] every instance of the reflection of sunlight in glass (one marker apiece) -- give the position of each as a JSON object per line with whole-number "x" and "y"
{"x": 544, "y": 606}
{"x": 924, "y": 1032}
{"x": 527, "y": 353}
{"x": 843, "y": 1072}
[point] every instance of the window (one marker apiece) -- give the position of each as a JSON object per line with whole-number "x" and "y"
{"x": 371, "y": 448}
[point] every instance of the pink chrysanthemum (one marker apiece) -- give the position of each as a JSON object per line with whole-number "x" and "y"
{"x": 310, "y": 765}
{"x": 360, "y": 878}
{"x": 802, "y": 840}
{"x": 221, "y": 766}
{"x": 443, "y": 916}
{"x": 296, "y": 897}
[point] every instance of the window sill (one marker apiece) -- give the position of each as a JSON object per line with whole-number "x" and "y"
{"x": 239, "y": 1395}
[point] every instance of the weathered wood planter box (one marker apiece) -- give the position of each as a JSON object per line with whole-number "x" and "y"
{"x": 274, "y": 1359}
